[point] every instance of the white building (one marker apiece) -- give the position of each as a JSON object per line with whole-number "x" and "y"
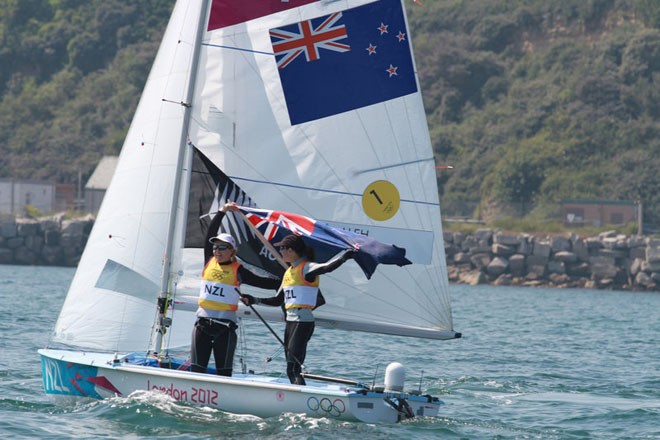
{"x": 16, "y": 195}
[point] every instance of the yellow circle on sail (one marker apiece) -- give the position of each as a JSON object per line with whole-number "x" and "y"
{"x": 381, "y": 200}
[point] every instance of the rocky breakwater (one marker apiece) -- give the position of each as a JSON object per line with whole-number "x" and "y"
{"x": 51, "y": 241}
{"x": 607, "y": 261}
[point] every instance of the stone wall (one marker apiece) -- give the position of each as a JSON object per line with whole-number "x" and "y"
{"x": 51, "y": 241}
{"x": 609, "y": 260}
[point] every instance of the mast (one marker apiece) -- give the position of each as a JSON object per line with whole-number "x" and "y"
{"x": 162, "y": 321}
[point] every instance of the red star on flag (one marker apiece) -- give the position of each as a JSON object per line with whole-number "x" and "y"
{"x": 371, "y": 49}
{"x": 382, "y": 28}
{"x": 392, "y": 70}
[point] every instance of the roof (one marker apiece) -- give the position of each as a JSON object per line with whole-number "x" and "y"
{"x": 102, "y": 175}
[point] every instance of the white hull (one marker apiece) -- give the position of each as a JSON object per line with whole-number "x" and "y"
{"x": 98, "y": 375}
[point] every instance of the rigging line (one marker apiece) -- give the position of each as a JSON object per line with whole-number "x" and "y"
{"x": 345, "y": 193}
{"x": 384, "y": 167}
{"x": 240, "y": 49}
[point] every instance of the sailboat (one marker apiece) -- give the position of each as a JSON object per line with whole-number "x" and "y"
{"x": 309, "y": 106}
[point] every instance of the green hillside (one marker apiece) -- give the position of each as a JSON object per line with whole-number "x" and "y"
{"x": 531, "y": 101}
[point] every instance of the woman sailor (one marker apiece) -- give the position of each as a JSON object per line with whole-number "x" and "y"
{"x": 299, "y": 293}
{"x": 222, "y": 276}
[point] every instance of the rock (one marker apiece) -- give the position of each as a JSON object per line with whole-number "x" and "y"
{"x": 23, "y": 255}
{"x": 644, "y": 280}
{"x": 593, "y": 243}
{"x": 580, "y": 249}
{"x": 581, "y": 269}
{"x": 603, "y": 267}
{"x": 541, "y": 249}
{"x": 473, "y": 278}
{"x": 480, "y": 261}
{"x": 637, "y": 252}
{"x": 461, "y": 258}
{"x": 636, "y": 266}
{"x": 8, "y": 230}
{"x": 458, "y": 238}
{"x": 502, "y": 249}
{"x": 556, "y": 267}
{"x": 517, "y": 265}
{"x": 558, "y": 244}
{"x": 653, "y": 251}
{"x": 27, "y": 227}
{"x": 503, "y": 280}
{"x": 566, "y": 257}
{"x": 559, "y": 279}
{"x": 484, "y": 236}
{"x": 636, "y": 241}
{"x": 507, "y": 239}
{"x": 526, "y": 246}
{"x": 612, "y": 253}
{"x": 497, "y": 266}
{"x": 650, "y": 267}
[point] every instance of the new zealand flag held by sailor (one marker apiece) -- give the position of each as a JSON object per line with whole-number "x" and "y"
{"x": 326, "y": 240}
{"x": 344, "y": 61}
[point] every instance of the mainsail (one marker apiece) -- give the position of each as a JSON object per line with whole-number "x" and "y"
{"x": 308, "y": 106}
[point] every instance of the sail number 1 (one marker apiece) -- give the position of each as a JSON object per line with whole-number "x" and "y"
{"x": 381, "y": 200}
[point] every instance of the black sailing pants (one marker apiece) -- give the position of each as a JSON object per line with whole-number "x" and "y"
{"x": 210, "y": 336}
{"x": 296, "y": 336}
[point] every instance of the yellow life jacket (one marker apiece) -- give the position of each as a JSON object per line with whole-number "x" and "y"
{"x": 219, "y": 289}
{"x": 298, "y": 292}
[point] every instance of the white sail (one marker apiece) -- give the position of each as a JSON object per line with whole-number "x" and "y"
{"x": 369, "y": 169}
{"x": 323, "y": 167}
{"x": 110, "y": 305}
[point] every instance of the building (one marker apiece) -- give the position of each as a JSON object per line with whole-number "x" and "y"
{"x": 98, "y": 183}
{"x": 17, "y": 195}
{"x": 581, "y": 212}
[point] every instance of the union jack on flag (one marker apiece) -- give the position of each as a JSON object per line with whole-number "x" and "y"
{"x": 352, "y": 59}
{"x": 273, "y": 220}
{"x": 308, "y": 39}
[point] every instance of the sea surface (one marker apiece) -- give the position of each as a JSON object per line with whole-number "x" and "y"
{"x": 533, "y": 363}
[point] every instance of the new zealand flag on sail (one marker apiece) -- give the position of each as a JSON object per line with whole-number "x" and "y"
{"x": 324, "y": 239}
{"x": 344, "y": 61}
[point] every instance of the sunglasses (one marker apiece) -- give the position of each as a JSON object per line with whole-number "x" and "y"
{"x": 221, "y": 247}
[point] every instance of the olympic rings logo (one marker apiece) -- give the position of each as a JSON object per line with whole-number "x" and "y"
{"x": 334, "y": 409}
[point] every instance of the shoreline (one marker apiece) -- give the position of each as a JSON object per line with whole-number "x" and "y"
{"x": 487, "y": 256}
{"x": 607, "y": 261}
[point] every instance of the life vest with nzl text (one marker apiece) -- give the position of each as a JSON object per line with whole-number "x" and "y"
{"x": 219, "y": 289}
{"x": 298, "y": 292}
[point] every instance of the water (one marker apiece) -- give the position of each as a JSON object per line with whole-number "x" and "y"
{"x": 533, "y": 364}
